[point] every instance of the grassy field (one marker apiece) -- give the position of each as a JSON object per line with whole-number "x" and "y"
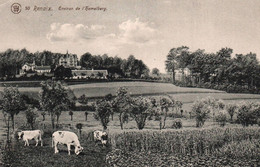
{"x": 96, "y": 155}
{"x": 134, "y": 88}
{"x": 185, "y": 95}
{"x": 93, "y": 155}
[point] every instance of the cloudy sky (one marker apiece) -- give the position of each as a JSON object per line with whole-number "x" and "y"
{"x": 147, "y": 29}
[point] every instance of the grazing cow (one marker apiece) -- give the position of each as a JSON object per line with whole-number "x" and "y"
{"x": 100, "y": 136}
{"x": 68, "y": 138}
{"x": 29, "y": 135}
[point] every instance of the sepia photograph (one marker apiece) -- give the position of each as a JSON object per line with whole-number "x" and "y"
{"x": 130, "y": 83}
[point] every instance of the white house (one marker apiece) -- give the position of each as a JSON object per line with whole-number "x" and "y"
{"x": 43, "y": 69}
{"x": 80, "y": 74}
{"x": 28, "y": 66}
{"x": 68, "y": 60}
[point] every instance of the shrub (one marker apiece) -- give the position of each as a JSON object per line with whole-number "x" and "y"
{"x": 231, "y": 109}
{"x": 221, "y": 118}
{"x": 140, "y": 110}
{"x": 201, "y": 112}
{"x": 177, "y": 124}
{"x": 103, "y": 111}
{"x": 30, "y": 101}
{"x": 31, "y": 115}
{"x": 248, "y": 113}
{"x": 83, "y": 99}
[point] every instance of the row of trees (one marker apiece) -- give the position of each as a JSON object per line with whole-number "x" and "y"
{"x": 218, "y": 68}
{"x": 130, "y": 67}
{"x": 55, "y": 98}
{"x": 247, "y": 113}
{"x": 11, "y": 61}
{"x": 138, "y": 108}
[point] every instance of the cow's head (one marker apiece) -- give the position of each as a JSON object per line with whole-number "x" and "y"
{"x": 20, "y": 135}
{"x": 78, "y": 149}
{"x": 104, "y": 138}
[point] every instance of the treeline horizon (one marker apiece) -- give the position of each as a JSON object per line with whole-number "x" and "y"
{"x": 218, "y": 68}
{"x": 11, "y": 61}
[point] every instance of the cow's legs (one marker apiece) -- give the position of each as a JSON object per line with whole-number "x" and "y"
{"x": 41, "y": 141}
{"x": 27, "y": 142}
{"x": 68, "y": 145}
{"x": 37, "y": 141}
{"x": 55, "y": 147}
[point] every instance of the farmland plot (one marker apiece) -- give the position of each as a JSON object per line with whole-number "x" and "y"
{"x": 149, "y": 147}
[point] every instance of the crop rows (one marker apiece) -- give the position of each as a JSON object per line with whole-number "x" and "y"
{"x": 182, "y": 142}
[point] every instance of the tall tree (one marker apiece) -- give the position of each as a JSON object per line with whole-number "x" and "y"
{"x": 103, "y": 112}
{"x": 54, "y": 98}
{"x": 12, "y": 103}
{"x": 121, "y": 104}
{"x": 174, "y": 59}
{"x": 141, "y": 108}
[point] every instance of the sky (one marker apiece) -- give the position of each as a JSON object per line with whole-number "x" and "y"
{"x": 147, "y": 29}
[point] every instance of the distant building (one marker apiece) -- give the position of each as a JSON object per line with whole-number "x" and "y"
{"x": 69, "y": 60}
{"x": 30, "y": 69}
{"x": 43, "y": 69}
{"x": 29, "y": 66}
{"x": 80, "y": 74}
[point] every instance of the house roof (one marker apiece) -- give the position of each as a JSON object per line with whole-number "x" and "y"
{"x": 28, "y": 64}
{"x": 43, "y": 68}
{"x": 88, "y": 72}
{"x": 68, "y": 55}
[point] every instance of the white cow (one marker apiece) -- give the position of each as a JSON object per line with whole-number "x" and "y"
{"x": 68, "y": 138}
{"x": 100, "y": 136}
{"x": 29, "y": 135}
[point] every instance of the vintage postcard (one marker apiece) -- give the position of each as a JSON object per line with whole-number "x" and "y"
{"x": 140, "y": 83}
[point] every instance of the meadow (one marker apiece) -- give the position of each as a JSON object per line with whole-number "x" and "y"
{"x": 186, "y": 95}
{"x": 132, "y": 147}
{"x": 189, "y": 146}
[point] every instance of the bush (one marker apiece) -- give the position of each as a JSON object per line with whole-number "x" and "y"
{"x": 140, "y": 109}
{"x": 231, "y": 109}
{"x": 248, "y": 113}
{"x": 177, "y": 124}
{"x": 31, "y": 115}
{"x": 103, "y": 112}
{"x": 31, "y": 101}
{"x": 201, "y": 112}
{"x": 221, "y": 118}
